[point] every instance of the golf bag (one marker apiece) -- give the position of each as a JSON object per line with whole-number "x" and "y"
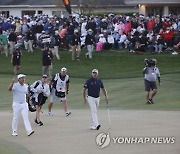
{"x": 42, "y": 99}
{"x": 32, "y": 107}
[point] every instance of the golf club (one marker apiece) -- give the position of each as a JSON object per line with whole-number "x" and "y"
{"x": 109, "y": 120}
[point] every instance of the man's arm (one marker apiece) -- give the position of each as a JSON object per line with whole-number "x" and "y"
{"x": 105, "y": 94}
{"x": 158, "y": 76}
{"x": 67, "y": 87}
{"x": 46, "y": 90}
{"x": 12, "y": 58}
{"x": 84, "y": 95}
{"x": 145, "y": 70}
{"x": 27, "y": 98}
{"x": 11, "y": 85}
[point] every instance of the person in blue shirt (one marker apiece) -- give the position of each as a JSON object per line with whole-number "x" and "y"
{"x": 91, "y": 95}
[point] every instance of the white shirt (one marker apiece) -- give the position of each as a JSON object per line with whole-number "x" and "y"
{"x": 150, "y": 35}
{"x": 174, "y": 26}
{"x": 61, "y": 85}
{"x": 116, "y": 27}
{"x": 83, "y": 28}
{"x": 19, "y": 93}
{"x": 110, "y": 39}
{"x": 102, "y": 40}
{"x": 41, "y": 88}
{"x": 123, "y": 38}
{"x": 152, "y": 74}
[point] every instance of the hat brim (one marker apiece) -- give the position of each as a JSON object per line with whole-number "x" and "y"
{"x": 22, "y": 76}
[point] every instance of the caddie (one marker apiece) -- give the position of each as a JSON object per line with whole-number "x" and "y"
{"x": 59, "y": 89}
{"x": 41, "y": 91}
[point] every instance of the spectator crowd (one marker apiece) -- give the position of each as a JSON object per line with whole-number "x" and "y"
{"x": 137, "y": 33}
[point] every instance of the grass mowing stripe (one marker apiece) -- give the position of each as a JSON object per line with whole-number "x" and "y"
{"x": 121, "y": 73}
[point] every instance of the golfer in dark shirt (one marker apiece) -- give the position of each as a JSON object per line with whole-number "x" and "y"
{"x": 93, "y": 86}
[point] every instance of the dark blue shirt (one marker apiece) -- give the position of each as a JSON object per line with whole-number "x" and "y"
{"x": 93, "y": 85}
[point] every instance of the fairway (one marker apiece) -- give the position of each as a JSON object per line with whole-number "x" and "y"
{"x": 121, "y": 73}
{"x": 70, "y": 135}
{"x": 123, "y": 93}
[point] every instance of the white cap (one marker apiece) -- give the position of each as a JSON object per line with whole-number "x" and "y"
{"x": 20, "y": 76}
{"x": 44, "y": 76}
{"x": 57, "y": 32}
{"x": 101, "y": 35}
{"x": 154, "y": 60}
{"x": 63, "y": 69}
{"x": 89, "y": 30}
{"x": 95, "y": 71}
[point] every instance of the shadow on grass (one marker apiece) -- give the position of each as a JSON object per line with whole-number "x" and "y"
{"x": 7, "y": 147}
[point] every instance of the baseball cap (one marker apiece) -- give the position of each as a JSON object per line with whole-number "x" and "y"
{"x": 75, "y": 31}
{"x": 20, "y": 76}
{"x": 154, "y": 60}
{"x": 63, "y": 69}
{"x": 44, "y": 76}
{"x": 89, "y": 30}
{"x": 101, "y": 35}
{"x": 95, "y": 71}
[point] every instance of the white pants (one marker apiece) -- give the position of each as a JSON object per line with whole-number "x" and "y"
{"x": 23, "y": 110}
{"x": 90, "y": 49}
{"x": 29, "y": 45}
{"x": 5, "y": 48}
{"x": 12, "y": 46}
{"x": 75, "y": 51}
{"x": 93, "y": 103}
{"x": 55, "y": 52}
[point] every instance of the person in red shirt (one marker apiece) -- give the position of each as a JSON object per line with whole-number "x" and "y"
{"x": 62, "y": 35}
{"x": 165, "y": 24}
{"x": 168, "y": 38}
{"x": 150, "y": 24}
{"x": 127, "y": 27}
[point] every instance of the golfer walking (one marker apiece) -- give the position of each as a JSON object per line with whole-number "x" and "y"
{"x": 20, "y": 106}
{"x": 91, "y": 93}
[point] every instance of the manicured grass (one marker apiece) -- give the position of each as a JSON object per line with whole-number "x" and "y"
{"x": 121, "y": 73}
{"x": 111, "y": 64}
{"x": 123, "y": 93}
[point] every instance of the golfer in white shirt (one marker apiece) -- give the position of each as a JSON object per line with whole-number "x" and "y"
{"x": 20, "y": 105}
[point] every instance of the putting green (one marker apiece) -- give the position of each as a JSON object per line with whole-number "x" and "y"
{"x": 7, "y": 147}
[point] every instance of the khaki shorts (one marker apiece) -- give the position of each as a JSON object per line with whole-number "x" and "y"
{"x": 149, "y": 85}
{"x": 54, "y": 98}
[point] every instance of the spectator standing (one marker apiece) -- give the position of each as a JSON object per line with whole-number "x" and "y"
{"x": 47, "y": 57}
{"x": 89, "y": 42}
{"x": 76, "y": 45}
{"x": 12, "y": 40}
{"x": 4, "y": 42}
{"x": 16, "y": 59}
